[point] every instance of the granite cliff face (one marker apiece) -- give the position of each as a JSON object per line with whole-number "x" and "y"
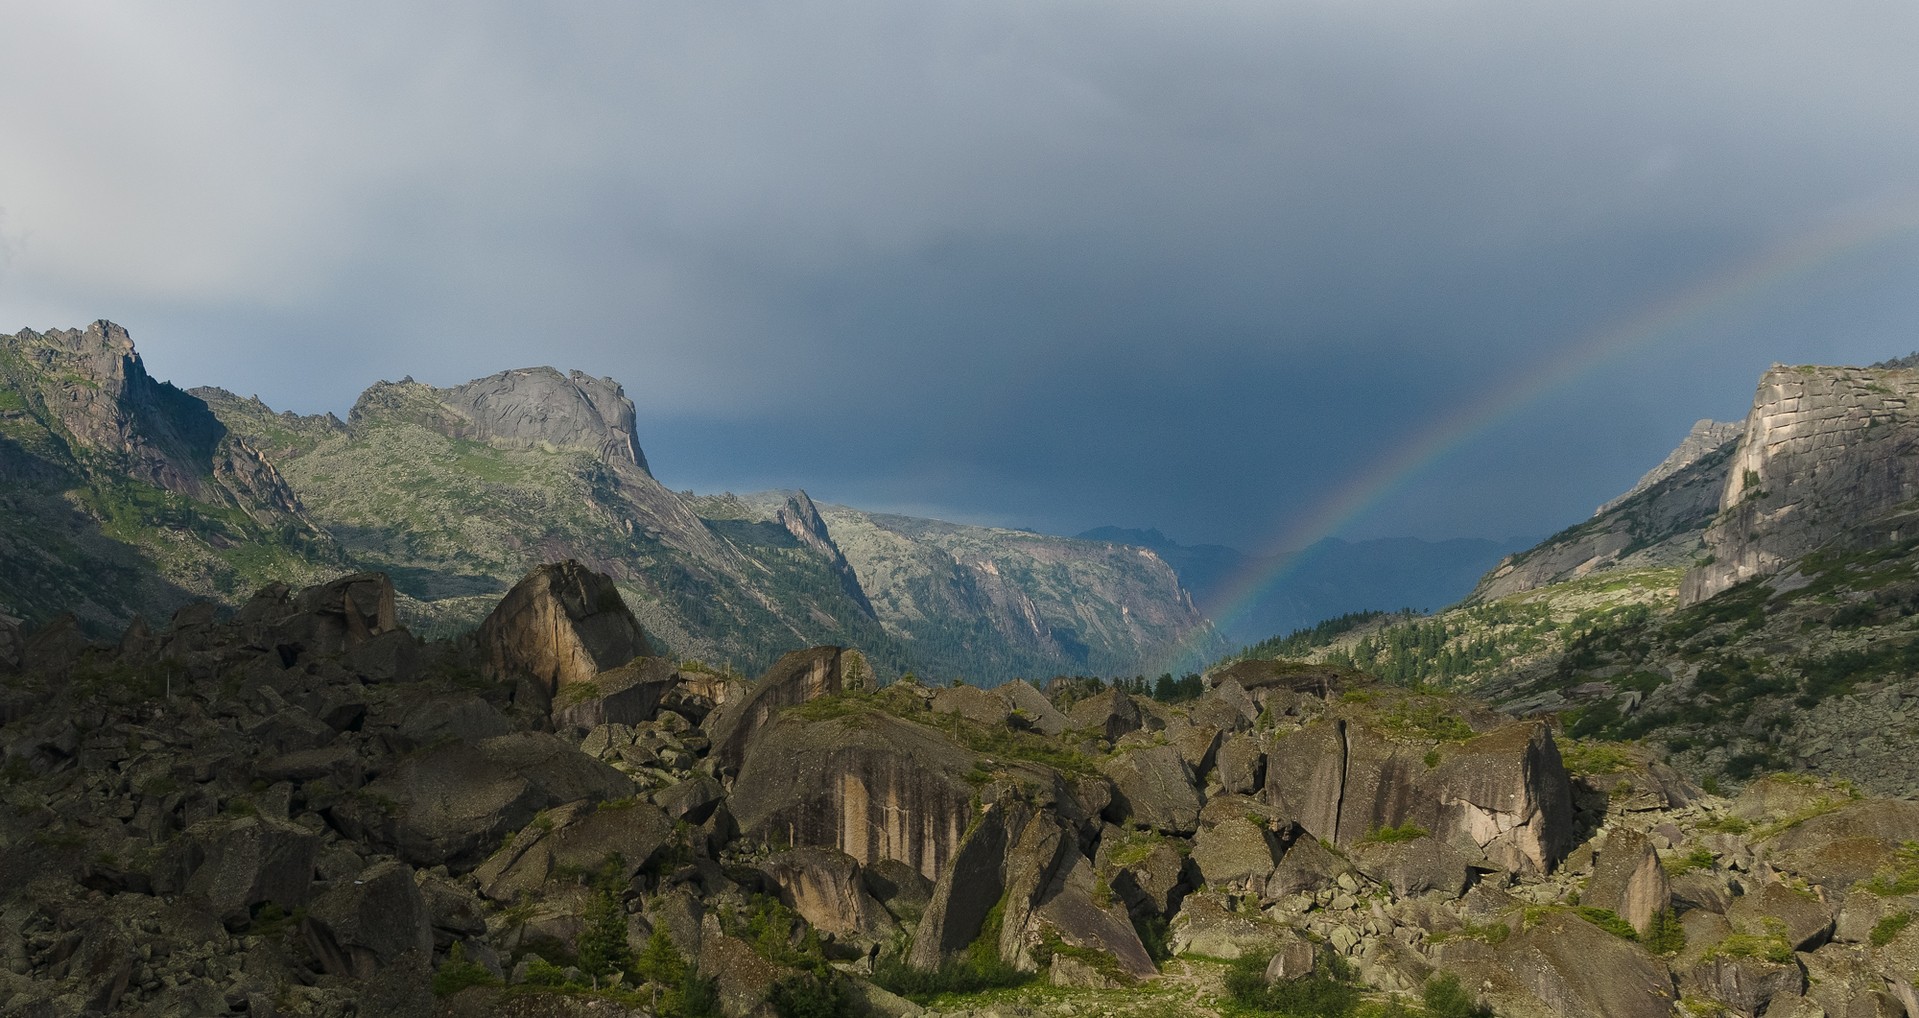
{"x": 91, "y": 387}
{"x": 1829, "y": 459}
{"x": 1052, "y": 601}
{"x": 1755, "y": 610}
{"x": 457, "y": 492}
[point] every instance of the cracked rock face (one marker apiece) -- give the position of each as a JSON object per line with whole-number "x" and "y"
{"x": 794, "y": 679}
{"x": 1827, "y": 457}
{"x": 560, "y": 625}
{"x": 870, "y": 785}
{"x": 1503, "y": 795}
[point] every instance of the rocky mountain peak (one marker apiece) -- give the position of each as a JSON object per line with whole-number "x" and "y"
{"x": 92, "y": 385}
{"x": 541, "y": 407}
{"x": 529, "y": 408}
{"x": 802, "y": 519}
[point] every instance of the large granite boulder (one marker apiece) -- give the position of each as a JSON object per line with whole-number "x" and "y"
{"x": 614, "y": 841}
{"x": 1209, "y": 925}
{"x": 1750, "y": 986}
{"x": 743, "y": 981}
{"x": 1418, "y": 866}
{"x": 1073, "y": 916}
{"x": 967, "y": 890}
{"x": 974, "y": 704}
{"x": 1028, "y": 873}
{"x": 1032, "y": 707}
{"x": 692, "y": 799}
{"x": 1258, "y": 677}
{"x": 1804, "y": 918}
{"x": 1109, "y": 714}
{"x": 451, "y": 804}
{"x": 1853, "y": 842}
{"x": 866, "y": 783}
{"x": 824, "y": 886}
{"x": 252, "y": 861}
{"x": 1506, "y": 792}
{"x": 628, "y": 695}
{"x": 1628, "y": 879}
{"x": 1234, "y": 853}
{"x": 1227, "y": 707}
{"x": 794, "y": 679}
{"x": 1576, "y": 968}
{"x": 326, "y": 620}
{"x": 1154, "y": 787}
{"x": 1144, "y": 870}
{"x": 1503, "y": 794}
{"x": 1342, "y": 780}
{"x": 377, "y": 919}
{"x": 1241, "y": 764}
{"x": 563, "y": 623}
{"x": 1307, "y": 867}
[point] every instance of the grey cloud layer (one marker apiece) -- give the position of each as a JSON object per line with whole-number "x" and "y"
{"x": 1056, "y": 264}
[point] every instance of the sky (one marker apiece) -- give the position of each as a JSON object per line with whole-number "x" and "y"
{"x": 1252, "y": 273}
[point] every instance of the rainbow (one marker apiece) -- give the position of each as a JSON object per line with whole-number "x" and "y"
{"x": 1861, "y": 228}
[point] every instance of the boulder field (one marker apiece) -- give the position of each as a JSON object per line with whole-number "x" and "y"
{"x": 297, "y": 808}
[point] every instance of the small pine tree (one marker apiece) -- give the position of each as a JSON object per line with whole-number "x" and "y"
{"x": 1445, "y": 998}
{"x": 662, "y": 967}
{"x": 603, "y": 946}
{"x": 1664, "y": 934}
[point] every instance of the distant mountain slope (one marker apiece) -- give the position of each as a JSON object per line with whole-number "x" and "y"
{"x": 1707, "y": 437}
{"x": 986, "y": 603}
{"x": 1332, "y": 577}
{"x": 1659, "y": 524}
{"x": 457, "y": 492}
{"x": 120, "y": 494}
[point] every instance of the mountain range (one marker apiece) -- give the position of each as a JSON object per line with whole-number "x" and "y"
{"x": 128, "y": 496}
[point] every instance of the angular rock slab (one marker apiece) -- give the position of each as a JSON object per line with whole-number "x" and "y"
{"x": 1234, "y": 853}
{"x": 253, "y": 861}
{"x": 563, "y": 623}
{"x": 1507, "y": 793}
{"x": 794, "y": 679}
{"x": 1629, "y": 880}
{"x": 372, "y": 921}
{"x": 582, "y": 840}
{"x": 824, "y": 887}
{"x": 451, "y": 804}
{"x": 1576, "y": 968}
{"x": 1154, "y": 788}
{"x": 628, "y": 695}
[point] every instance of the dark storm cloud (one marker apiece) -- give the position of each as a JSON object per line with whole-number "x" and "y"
{"x": 1054, "y": 265}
